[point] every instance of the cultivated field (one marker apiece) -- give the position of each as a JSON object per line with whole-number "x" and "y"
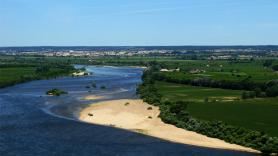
{"x": 172, "y": 91}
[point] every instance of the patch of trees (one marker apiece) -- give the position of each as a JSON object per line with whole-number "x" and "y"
{"x": 254, "y": 88}
{"x": 208, "y": 82}
{"x": 147, "y": 90}
{"x": 275, "y": 67}
{"x": 267, "y": 63}
{"x": 272, "y": 91}
{"x": 53, "y": 70}
{"x": 175, "y": 112}
{"x": 42, "y": 69}
{"x": 248, "y": 95}
{"x": 102, "y": 87}
{"x": 272, "y": 88}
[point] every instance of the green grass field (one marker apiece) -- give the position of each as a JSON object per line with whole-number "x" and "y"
{"x": 172, "y": 91}
{"x": 10, "y": 75}
{"x": 257, "y": 114}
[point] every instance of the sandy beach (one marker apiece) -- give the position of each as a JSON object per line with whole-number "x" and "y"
{"x": 137, "y": 116}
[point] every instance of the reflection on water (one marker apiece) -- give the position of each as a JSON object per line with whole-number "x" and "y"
{"x": 34, "y": 124}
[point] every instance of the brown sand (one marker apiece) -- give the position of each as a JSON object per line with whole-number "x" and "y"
{"x": 134, "y": 115}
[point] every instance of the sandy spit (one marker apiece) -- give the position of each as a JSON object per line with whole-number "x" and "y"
{"x": 92, "y": 97}
{"x": 138, "y": 116}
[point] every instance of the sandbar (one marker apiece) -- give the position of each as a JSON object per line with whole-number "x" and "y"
{"x": 138, "y": 116}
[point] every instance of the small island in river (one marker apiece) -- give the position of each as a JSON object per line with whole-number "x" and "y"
{"x": 56, "y": 92}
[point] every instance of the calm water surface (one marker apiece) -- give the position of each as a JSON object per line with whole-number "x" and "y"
{"x": 32, "y": 123}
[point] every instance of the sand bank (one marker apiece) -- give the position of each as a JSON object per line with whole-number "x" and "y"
{"x": 135, "y": 115}
{"x": 92, "y": 97}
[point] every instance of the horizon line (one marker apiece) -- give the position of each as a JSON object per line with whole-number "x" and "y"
{"x": 140, "y": 45}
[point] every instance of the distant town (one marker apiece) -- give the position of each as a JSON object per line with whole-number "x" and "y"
{"x": 186, "y": 52}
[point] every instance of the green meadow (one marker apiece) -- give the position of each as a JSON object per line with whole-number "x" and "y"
{"x": 12, "y": 75}
{"x": 257, "y": 114}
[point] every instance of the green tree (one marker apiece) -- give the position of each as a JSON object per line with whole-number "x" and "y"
{"x": 206, "y": 99}
{"x": 267, "y": 63}
{"x": 244, "y": 95}
{"x": 258, "y": 92}
{"x": 275, "y": 67}
{"x": 272, "y": 91}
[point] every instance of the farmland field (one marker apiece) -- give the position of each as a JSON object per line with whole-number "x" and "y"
{"x": 172, "y": 91}
{"x": 257, "y": 114}
{"x": 219, "y": 70}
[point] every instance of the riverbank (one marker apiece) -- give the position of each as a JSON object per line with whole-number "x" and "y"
{"x": 137, "y": 116}
{"x": 12, "y": 74}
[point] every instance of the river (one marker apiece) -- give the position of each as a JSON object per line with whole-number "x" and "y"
{"x": 32, "y": 123}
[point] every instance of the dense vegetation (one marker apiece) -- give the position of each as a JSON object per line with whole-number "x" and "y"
{"x": 176, "y": 113}
{"x": 13, "y": 73}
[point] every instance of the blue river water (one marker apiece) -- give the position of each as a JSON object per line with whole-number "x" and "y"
{"x": 32, "y": 123}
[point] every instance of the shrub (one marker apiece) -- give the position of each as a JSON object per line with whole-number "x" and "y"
{"x": 272, "y": 91}
{"x": 94, "y": 85}
{"x": 206, "y": 100}
{"x": 244, "y": 95}
{"x": 258, "y": 92}
{"x": 90, "y": 114}
{"x": 275, "y": 67}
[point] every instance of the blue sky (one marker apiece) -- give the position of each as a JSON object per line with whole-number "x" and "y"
{"x": 138, "y": 22}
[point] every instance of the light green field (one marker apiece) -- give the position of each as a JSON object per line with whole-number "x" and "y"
{"x": 172, "y": 91}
